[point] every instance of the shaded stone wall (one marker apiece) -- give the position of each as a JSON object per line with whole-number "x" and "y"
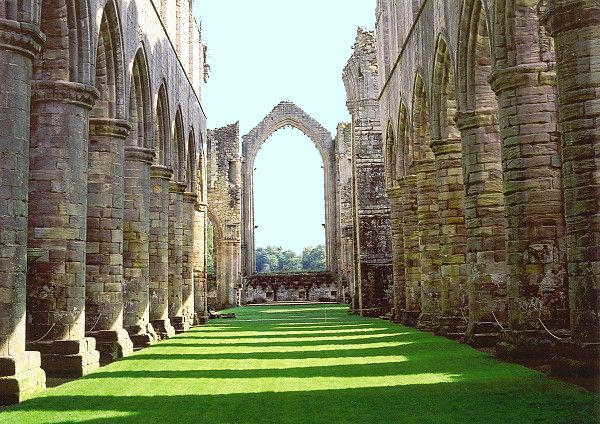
{"x": 513, "y": 134}
{"x": 372, "y": 227}
{"x": 225, "y": 210}
{"x": 81, "y": 186}
{"x": 313, "y": 287}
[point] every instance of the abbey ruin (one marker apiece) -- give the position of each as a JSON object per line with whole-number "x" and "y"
{"x": 462, "y": 198}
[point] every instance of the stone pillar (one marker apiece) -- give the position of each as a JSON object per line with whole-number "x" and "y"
{"x": 575, "y": 26}
{"x": 412, "y": 267}
{"x": 534, "y": 208}
{"x": 452, "y": 237}
{"x": 104, "y": 256}
{"x": 229, "y": 272}
{"x": 176, "y": 191}
{"x": 189, "y": 203}
{"x": 485, "y": 224}
{"x": 159, "y": 251}
{"x": 395, "y": 198}
{"x": 199, "y": 260}
{"x": 58, "y": 178}
{"x": 20, "y": 372}
{"x": 429, "y": 231}
{"x": 136, "y": 250}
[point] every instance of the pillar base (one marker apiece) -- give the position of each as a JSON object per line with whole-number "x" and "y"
{"x": 427, "y": 322}
{"x": 576, "y": 359}
{"x": 483, "y": 334}
{"x": 410, "y": 318}
{"x": 68, "y": 358}
{"x": 20, "y": 377}
{"x": 142, "y": 336}
{"x": 200, "y": 319}
{"x": 163, "y": 328}
{"x": 524, "y": 346}
{"x": 113, "y": 345}
{"x": 181, "y": 324}
{"x": 453, "y": 328}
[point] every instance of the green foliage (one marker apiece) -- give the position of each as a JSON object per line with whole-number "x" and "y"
{"x": 272, "y": 259}
{"x": 308, "y": 365}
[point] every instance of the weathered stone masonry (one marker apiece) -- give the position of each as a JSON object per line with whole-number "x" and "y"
{"x": 84, "y": 163}
{"x": 507, "y": 89}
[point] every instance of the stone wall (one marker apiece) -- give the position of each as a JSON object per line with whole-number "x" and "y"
{"x": 225, "y": 210}
{"x": 313, "y": 287}
{"x": 103, "y": 114}
{"x": 491, "y": 141}
{"x": 373, "y": 278}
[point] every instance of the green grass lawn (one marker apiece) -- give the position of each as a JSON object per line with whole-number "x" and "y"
{"x": 309, "y": 364}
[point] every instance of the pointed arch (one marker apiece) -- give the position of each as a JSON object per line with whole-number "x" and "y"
{"x": 110, "y": 66}
{"x": 390, "y": 156}
{"x": 403, "y": 145}
{"x": 191, "y": 168}
{"x": 162, "y": 145}
{"x": 65, "y": 55}
{"x": 178, "y": 162}
{"x": 140, "y": 105}
{"x": 444, "y": 102}
{"x": 420, "y": 119}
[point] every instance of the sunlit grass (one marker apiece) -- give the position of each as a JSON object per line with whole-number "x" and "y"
{"x": 300, "y": 368}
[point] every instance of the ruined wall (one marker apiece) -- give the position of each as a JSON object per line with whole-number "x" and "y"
{"x": 225, "y": 209}
{"x": 372, "y": 227}
{"x": 313, "y": 287}
{"x": 109, "y": 115}
{"x": 345, "y": 218}
{"x": 479, "y": 108}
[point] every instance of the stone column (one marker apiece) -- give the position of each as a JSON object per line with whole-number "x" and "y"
{"x": 485, "y": 224}
{"x": 200, "y": 306}
{"x": 176, "y": 191}
{"x": 575, "y": 26}
{"x": 534, "y": 208}
{"x": 20, "y": 372}
{"x": 229, "y": 272}
{"x": 429, "y": 232}
{"x": 395, "y": 198}
{"x": 412, "y": 258}
{"x": 104, "y": 257}
{"x": 453, "y": 242}
{"x": 58, "y": 174}
{"x": 136, "y": 250}
{"x": 159, "y": 251}
{"x": 189, "y": 203}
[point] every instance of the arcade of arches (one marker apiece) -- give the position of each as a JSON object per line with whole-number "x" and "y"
{"x": 461, "y": 199}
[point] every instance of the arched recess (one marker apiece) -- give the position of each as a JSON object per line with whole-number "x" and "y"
{"x": 65, "y": 55}
{"x": 162, "y": 134}
{"x": 178, "y": 161}
{"x": 390, "y": 156}
{"x": 447, "y": 148}
{"x": 481, "y": 149}
{"x": 140, "y": 104}
{"x": 191, "y": 168}
{"x": 110, "y": 66}
{"x": 283, "y": 115}
{"x": 424, "y": 167}
{"x": 403, "y": 143}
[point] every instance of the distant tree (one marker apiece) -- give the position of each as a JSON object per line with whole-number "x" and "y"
{"x": 267, "y": 259}
{"x": 313, "y": 258}
{"x": 290, "y": 262}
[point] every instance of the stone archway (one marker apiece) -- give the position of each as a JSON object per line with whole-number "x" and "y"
{"x": 283, "y": 115}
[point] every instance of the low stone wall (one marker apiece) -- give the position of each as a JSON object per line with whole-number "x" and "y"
{"x": 314, "y": 287}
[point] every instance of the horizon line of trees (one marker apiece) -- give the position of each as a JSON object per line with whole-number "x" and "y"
{"x": 273, "y": 259}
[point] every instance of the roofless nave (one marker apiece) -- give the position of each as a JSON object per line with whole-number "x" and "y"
{"x": 462, "y": 198}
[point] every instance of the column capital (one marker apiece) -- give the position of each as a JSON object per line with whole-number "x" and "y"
{"x": 446, "y": 146}
{"x": 139, "y": 154}
{"x": 109, "y": 127}
{"x": 566, "y": 15}
{"x": 64, "y": 92}
{"x": 21, "y": 37}
{"x": 475, "y": 118}
{"x": 189, "y": 197}
{"x": 524, "y": 75}
{"x": 177, "y": 187}
{"x": 201, "y": 207}
{"x": 161, "y": 172}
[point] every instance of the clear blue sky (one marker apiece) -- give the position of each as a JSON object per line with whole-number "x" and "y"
{"x": 260, "y": 53}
